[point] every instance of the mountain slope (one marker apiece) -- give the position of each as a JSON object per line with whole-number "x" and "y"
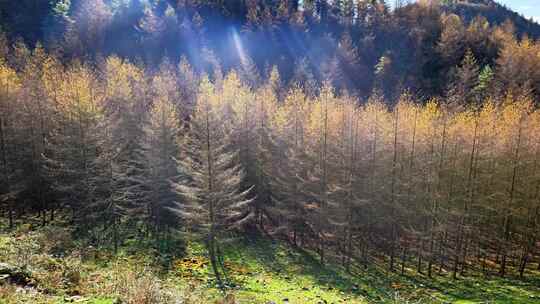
{"x": 494, "y": 12}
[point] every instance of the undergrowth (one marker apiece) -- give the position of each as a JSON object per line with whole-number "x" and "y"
{"x": 63, "y": 270}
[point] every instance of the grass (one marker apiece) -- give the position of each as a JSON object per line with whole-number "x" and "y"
{"x": 258, "y": 271}
{"x": 263, "y": 271}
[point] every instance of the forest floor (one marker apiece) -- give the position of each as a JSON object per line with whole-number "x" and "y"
{"x": 58, "y": 270}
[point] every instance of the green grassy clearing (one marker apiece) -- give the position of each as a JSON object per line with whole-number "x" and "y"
{"x": 258, "y": 271}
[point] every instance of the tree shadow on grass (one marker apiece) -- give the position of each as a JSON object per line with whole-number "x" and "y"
{"x": 288, "y": 263}
{"x": 477, "y": 288}
{"x": 376, "y": 284}
{"x": 497, "y": 290}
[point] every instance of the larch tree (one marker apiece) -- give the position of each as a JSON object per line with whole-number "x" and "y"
{"x": 345, "y": 195}
{"x": 123, "y": 163}
{"x": 266, "y": 150}
{"x": 239, "y": 108}
{"x": 318, "y": 182}
{"x": 36, "y": 124}
{"x": 214, "y": 203}
{"x": 88, "y": 29}
{"x": 188, "y": 85}
{"x": 531, "y": 208}
{"x": 9, "y": 87}
{"x": 161, "y": 147}
{"x": 513, "y": 115}
{"x": 451, "y": 45}
{"x": 290, "y": 124}
{"x": 74, "y": 146}
{"x": 466, "y": 77}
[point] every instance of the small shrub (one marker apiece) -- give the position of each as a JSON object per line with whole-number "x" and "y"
{"x": 71, "y": 273}
{"x": 140, "y": 287}
{"x": 57, "y": 275}
{"x": 229, "y": 299}
{"x": 55, "y": 240}
{"x": 32, "y": 252}
{"x": 22, "y": 250}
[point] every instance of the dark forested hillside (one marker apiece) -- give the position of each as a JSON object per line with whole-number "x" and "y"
{"x": 358, "y": 45}
{"x": 494, "y": 12}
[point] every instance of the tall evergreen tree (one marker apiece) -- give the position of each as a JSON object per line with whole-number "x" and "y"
{"x": 161, "y": 148}
{"x": 215, "y": 203}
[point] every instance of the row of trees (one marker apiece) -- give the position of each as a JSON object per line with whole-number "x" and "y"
{"x": 121, "y": 151}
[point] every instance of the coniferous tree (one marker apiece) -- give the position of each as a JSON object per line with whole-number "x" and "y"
{"x": 290, "y": 121}
{"x": 9, "y": 86}
{"x": 266, "y": 148}
{"x": 87, "y": 33}
{"x": 74, "y": 145}
{"x": 124, "y": 163}
{"x": 161, "y": 147}
{"x": 215, "y": 203}
{"x": 465, "y": 81}
{"x": 36, "y": 124}
{"x": 451, "y": 44}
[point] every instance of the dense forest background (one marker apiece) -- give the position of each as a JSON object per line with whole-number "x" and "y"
{"x": 407, "y": 137}
{"x": 359, "y": 45}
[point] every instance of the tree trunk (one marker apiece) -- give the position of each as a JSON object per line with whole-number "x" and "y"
{"x": 457, "y": 250}
{"x": 435, "y": 210}
{"x": 508, "y": 212}
{"x": 441, "y": 252}
{"x": 393, "y": 236}
{"x": 5, "y": 169}
{"x": 403, "y": 260}
{"x": 431, "y": 253}
{"x": 464, "y": 257}
{"x": 504, "y": 248}
{"x": 420, "y": 252}
{"x": 213, "y": 260}
{"x": 349, "y": 250}
{"x": 211, "y": 219}
{"x": 321, "y": 249}
{"x": 470, "y": 188}
{"x": 523, "y": 263}
{"x": 115, "y": 236}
